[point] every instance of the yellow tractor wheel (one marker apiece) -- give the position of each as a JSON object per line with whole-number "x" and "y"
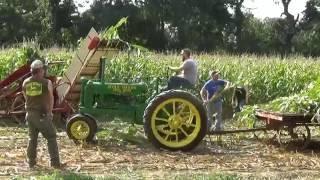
{"x": 175, "y": 120}
{"x": 81, "y": 128}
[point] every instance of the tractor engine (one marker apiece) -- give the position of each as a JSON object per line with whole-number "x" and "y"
{"x": 113, "y": 98}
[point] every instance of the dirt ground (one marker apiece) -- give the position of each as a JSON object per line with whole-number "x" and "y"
{"x": 238, "y": 154}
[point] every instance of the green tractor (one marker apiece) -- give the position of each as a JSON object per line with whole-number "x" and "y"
{"x": 173, "y": 120}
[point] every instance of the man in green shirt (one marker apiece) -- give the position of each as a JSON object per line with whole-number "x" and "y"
{"x": 38, "y": 93}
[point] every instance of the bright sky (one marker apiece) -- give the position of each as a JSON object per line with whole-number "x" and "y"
{"x": 260, "y": 8}
{"x": 268, "y": 8}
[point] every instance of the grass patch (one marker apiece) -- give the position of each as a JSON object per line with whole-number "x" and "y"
{"x": 56, "y": 175}
{"x": 13, "y": 131}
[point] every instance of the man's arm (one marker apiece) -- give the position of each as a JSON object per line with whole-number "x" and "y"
{"x": 176, "y": 69}
{"x": 204, "y": 94}
{"x": 50, "y": 90}
{"x": 217, "y": 93}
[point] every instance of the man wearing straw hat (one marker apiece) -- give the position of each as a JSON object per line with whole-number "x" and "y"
{"x": 211, "y": 96}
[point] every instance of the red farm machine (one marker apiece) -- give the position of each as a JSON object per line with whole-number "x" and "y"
{"x": 66, "y": 88}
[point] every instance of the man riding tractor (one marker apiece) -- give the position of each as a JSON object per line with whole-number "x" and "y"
{"x": 188, "y": 73}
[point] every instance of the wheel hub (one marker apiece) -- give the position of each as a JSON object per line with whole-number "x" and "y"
{"x": 175, "y": 121}
{"x": 80, "y": 130}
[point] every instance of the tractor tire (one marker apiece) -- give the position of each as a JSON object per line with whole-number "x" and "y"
{"x": 175, "y": 120}
{"x": 81, "y": 128}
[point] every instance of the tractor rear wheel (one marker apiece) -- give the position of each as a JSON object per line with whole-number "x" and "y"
{"x": 175, "y": 120}
{"x": 81, "y": 128}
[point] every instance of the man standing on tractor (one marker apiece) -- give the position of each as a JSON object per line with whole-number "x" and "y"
{"x": 188, "y": 72}
{"x": 211, "y": 96}
{"x": 38, "y": 93}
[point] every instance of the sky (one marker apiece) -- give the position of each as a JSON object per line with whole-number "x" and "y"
{"x": 268, "y": 8}
{"x": 260, "y": 8}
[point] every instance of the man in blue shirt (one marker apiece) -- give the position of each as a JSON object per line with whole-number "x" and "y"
{"x": 212, "y": 99}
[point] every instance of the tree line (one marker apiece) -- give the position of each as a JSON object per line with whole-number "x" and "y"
{"x": 206, "y": 25}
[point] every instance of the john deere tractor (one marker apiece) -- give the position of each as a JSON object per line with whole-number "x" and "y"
{"x": 173, "y": 120}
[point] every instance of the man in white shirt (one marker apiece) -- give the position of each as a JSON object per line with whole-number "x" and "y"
{"x": 188, "y": 72}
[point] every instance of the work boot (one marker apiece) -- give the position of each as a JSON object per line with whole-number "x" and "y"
{"x": 58, "y": 165}
{"x": 31, "y": 164}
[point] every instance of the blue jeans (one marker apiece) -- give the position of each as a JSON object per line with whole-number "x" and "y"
{"x": 239, "y": 105}
{"x": 215, "y": 109}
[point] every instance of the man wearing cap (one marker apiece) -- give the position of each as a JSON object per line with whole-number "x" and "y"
{"x": 38, "y": 93}
{"x": 213, "y": 101}
{"x": 188, "y": 72}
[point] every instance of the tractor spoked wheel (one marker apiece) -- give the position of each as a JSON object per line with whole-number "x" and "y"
{"x": 175, "y": 120}
{"x": 81, "y": 128}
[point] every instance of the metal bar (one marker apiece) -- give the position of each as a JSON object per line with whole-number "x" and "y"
{"x": 238, "y": 131}
{"x": 308, "y": 124}
{"x": 102, "y": 69}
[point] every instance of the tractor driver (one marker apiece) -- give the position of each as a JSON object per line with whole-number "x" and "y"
{"x": 38, "y": 94}
{"x": 188, "y": 72}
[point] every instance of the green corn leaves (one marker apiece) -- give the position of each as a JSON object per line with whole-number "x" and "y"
{"x": 267, "y": 78}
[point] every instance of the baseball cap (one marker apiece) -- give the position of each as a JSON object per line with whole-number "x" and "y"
{"x": 186, "y": 50}
{"x": 36, "y": 64}
{"x": 214, "y": 72}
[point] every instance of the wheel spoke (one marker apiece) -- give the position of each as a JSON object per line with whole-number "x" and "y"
{"x": 183, "y": 131}
{"x": 174, "y": 107}
{"x": 166, "y": 111}
{"x": 177, "y": 138}
{"x": 181, "y": 110}
{"x": 161, "y": 119}
{"x": 162, "y": 127}
{"x": 191, "y": 118}
{"x": 18, "y": 107}
{"x": 169, "y": 133}
{"x": 167, "y": 136}
{"x": 189, "y": 125}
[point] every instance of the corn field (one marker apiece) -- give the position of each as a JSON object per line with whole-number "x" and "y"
{"x": 266, "y": 77}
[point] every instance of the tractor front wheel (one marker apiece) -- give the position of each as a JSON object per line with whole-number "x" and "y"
{"x": 175, "y": 120}
{"x": 81, "y": 128}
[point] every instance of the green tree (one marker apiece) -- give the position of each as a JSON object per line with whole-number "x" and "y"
{"x": 18, "y": 20}
{"x": 307, "y": 40}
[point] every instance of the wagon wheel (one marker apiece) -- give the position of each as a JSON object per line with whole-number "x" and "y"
{"x": 298, "y": 136}
{"x": 3, "y": 104}
{"x": 263, "y": 135}
{"x": 18, "y": 104}
{"x": 283, "y": 136}
{"x": 301, "y": 136}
